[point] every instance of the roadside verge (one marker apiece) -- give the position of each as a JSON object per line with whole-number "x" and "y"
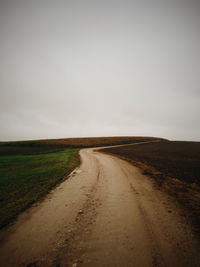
{"x": 26, "y": 179}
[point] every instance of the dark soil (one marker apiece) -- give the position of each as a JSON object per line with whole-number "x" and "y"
{"x": 175, "y": 168}
{"x": 175, "y": 158}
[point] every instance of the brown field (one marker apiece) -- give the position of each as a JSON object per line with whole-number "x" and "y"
{"x": 175, "y": 158}
{"x": 53, "y": 145}
{"x": 174, "y": 165}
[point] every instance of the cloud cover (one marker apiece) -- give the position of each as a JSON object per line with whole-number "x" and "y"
{"x": 99, "y": 68}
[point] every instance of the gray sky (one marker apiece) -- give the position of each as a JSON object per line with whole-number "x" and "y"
{"x": 99, "y": 68}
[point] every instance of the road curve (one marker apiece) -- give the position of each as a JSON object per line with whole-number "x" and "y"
{"x": 106, "y": 214}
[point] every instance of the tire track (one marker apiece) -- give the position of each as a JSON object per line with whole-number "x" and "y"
{"x": 72, "y": 249}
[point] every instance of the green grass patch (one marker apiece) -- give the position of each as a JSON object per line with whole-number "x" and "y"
{"x": 25, "y": 179}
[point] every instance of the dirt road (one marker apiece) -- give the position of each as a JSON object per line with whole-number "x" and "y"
{"x": 106, "y": 214}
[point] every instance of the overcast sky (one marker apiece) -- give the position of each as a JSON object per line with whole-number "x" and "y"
{"x": 99, "y": 68}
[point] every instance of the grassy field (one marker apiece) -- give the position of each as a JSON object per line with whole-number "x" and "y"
{"x": 175, "y": 168}
{"x": 30, "y": 169}
{"x": 52, "y": 145}
{"x": 25, "y": 179}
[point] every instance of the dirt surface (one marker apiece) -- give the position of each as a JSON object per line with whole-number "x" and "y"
{"x": 174, "y": 166}
{"x": 106, "y": 214}
{"x": 180, "y": 159}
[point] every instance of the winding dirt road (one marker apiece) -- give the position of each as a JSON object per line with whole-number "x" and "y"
{"x": 106, "y": 214}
